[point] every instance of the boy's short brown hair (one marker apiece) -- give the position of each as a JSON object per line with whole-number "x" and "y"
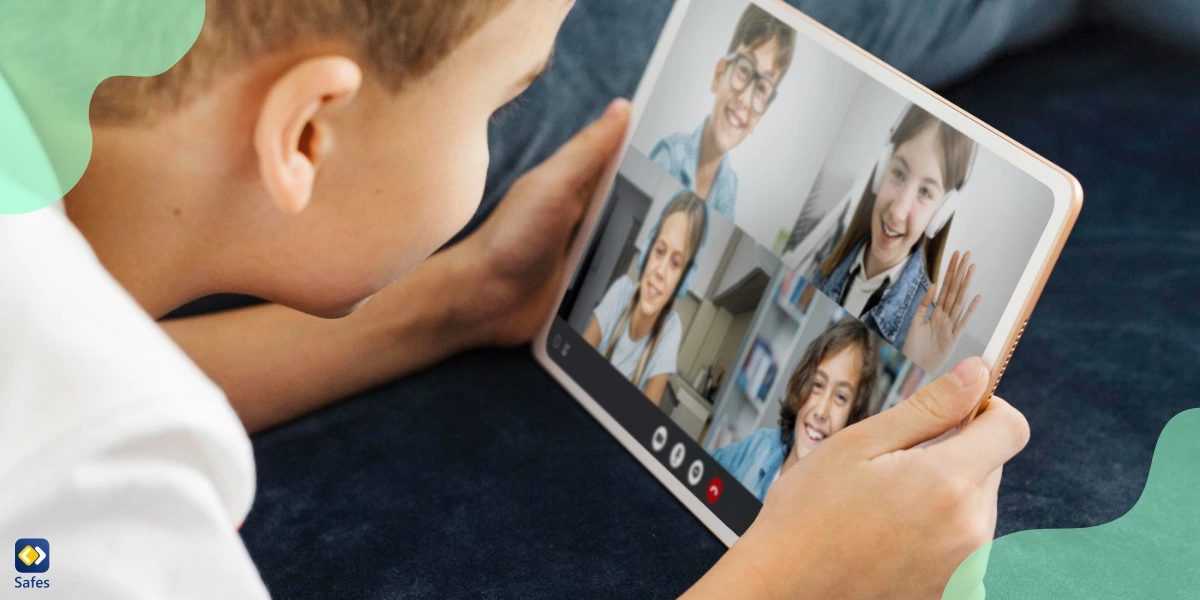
{"x": 757, "y": 27}
{"x": 395, "y": 41}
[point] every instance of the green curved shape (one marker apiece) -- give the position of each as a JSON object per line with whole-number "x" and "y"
{"x": 1153, "y": 551}
{"x": 53, "y": 54}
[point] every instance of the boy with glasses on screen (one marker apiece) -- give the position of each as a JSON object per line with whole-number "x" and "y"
{"x": 744, "y": 85}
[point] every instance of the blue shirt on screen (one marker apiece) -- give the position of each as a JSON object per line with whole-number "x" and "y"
{"x": 892, "y": 317}
{"x": 754, "y": 460}
{"x": 679, "y": 154}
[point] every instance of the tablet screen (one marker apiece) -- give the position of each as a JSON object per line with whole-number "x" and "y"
{"x": 790, "y": 246}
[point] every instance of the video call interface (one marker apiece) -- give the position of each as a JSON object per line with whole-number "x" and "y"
{"x": 790, "y": 247}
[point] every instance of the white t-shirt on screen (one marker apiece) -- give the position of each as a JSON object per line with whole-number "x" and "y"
{"x": 861, "y": 288}
{"x": 627, "y": 352}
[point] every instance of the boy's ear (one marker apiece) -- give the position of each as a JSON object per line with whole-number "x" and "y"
{"x": 716, "y": 82}
{"x": 291, "y": 138}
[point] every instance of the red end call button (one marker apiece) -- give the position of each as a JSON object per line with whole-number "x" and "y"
{"x": 714, "y": 490}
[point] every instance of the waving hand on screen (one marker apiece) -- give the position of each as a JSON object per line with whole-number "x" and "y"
{"x": 930, "y": 342}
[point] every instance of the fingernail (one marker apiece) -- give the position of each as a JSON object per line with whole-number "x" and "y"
{"x": 968, "y": 372}
{"x": 614, "y": 108}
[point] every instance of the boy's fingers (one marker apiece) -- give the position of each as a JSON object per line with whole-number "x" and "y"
{"x": 577, "y": 165}
{"x": 989, "y": 441}
{"x": 930, "y": 412}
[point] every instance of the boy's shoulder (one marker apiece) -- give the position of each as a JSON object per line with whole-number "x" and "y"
{"x": 91, "y": 384}
{"x": 76, "y": 350}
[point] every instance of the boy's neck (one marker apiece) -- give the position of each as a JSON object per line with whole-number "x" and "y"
{"x": 154, "y": 206}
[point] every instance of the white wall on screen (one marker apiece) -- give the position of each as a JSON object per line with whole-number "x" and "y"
{"x": 1001, "y": 216}
{"x": 855, "y": 150}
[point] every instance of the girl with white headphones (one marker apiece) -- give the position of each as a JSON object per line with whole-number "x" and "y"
{"x": 885, "y": 269}
{"x": 635, "y": 326}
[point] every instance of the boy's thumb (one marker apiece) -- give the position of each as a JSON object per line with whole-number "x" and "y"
{"x": 931, "y": 411}
{"x": 578, "y": 163}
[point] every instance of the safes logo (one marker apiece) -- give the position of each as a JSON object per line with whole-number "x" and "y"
{"x": 32, "y": 555}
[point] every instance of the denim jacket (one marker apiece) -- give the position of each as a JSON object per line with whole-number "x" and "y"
{"x": 754, "y": 461}
{"x": 679, "y": 154}
{"x": 894, "y": 313}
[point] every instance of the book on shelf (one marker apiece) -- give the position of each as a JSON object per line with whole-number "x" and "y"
{"x": 791, "y": 289}
{"x": 757, "y": 371}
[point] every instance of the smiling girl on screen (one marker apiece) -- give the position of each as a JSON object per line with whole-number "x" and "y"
{"x": 635, "y": 326}
{"x": 744, "y": 85}
{"x": 885, "y": 268}
{"x": 830, "y": 390}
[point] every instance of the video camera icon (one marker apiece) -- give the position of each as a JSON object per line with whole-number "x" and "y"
{"x": 659, "y": 440}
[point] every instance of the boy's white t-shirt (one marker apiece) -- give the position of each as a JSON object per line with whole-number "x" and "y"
{"x": 114, "y": 447}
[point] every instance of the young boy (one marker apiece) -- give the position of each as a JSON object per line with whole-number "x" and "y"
{"x": 744, "y": 85}
{"x": 314, "y": 156}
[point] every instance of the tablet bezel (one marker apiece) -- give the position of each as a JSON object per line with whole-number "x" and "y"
{"x": 1066, "y": 190}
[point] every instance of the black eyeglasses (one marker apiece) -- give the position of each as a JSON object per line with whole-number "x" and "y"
{"x": 743, "y": 74}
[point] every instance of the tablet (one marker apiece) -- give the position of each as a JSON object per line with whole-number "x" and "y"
{"x": 795, "y": 237}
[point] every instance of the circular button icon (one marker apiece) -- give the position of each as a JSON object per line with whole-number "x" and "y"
{"x": 695, "y": 472}
{"x": 557, "y": 342}
{"x": 659, "y": 441}
{"x": 714, "y": 490}
{"x": 677, "y": 455}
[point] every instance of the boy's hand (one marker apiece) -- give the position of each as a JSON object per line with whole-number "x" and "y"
{"x": 512, "y": 266}
{"x": 870, "y": 515}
